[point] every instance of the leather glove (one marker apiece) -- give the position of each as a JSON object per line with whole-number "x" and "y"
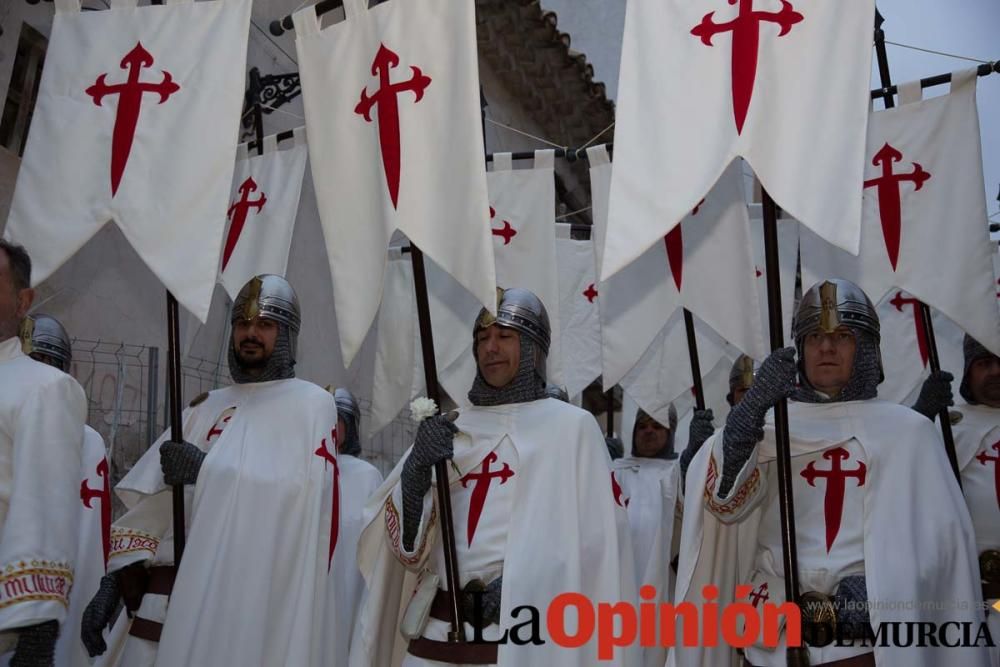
{"x": 489, "y": 603}
{"x": 615, "y": 448}
{"x": 98, "y": 615}
{"x": 36, "y": 645}
{"x": 774, "y": 381}
{"x": 700, "y": 430}
{"x": 180, "y": 462}
{"x": 434, "y": 442}
{"x": 935, "y": 395}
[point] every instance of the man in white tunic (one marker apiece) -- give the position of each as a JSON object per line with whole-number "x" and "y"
{"x": 42, "y": 412}
{"x": 253, "y": 584}
{"x": 358, "y": 480}
{"x": 650, "y": 482}
{"x": 976, "y": 428}
{"x": 534, "y": 516}
{"x": 880, "y": 523}
{"x": 44, "y": 339}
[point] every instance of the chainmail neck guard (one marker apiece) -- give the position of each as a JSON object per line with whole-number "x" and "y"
{"x": 526, "y": 386}
{"x": 865, "y": 378}
{"x": 352, "y": 442}
{"x": 279, "y": 366}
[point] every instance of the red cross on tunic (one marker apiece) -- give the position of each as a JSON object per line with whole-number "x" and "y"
{"x": 620, "y": 499}
{"x": 387, "y": 100}
{"x": 590, "y": 293}
{"x": 129, "y": 104}
{"x": 102, "y": 494}
{"x": 918, "y": 321}
{"x": 746, "y": 39}
{"x": 984, "y": 458}
{"x": 759, "y": 595}
{"x": 674, "y": 242}
{"x": 887, "y": 186}
{"x": 836, "y": 478}
{"x": 328, "y": 456}
{"x": 220, "y": 425}
{"x": 483, "y": 479}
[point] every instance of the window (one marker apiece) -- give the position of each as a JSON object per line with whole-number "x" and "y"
{"x": 23, "y": 89}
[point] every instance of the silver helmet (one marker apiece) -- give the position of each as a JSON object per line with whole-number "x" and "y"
{"x": 557, "y": 392}
{"x": 269, "y": 297}
{"x": 828, "y": 304}
{"x": 521, "y": 310}
{"x": 346, "y": 403}
{"x": 43, "y": 334}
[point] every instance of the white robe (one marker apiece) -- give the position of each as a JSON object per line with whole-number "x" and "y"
{"x": 358, "y": 480}
{"x": 42, "y": 413}
{"x": 563, "y": 532}
{"x": 975, "y": 434}
{"x": 917, "y": 534}
{"x": 252, "y": 586}
{"x": 651, "y": 487}
{"x": 70, "y": 651}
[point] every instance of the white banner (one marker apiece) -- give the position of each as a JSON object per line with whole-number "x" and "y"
{"x": 262, "y": 211}
{"x": 391, "y": 97}
{"x": 925, "y": 226}
{"x": 703, "y": 82}
{"x": 136, "y": 122}
{"x": 579, "y": 315}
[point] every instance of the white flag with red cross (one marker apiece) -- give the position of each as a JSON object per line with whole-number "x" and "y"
{"x": 522, "y": 223}
{"x": 705, "y": 81}
{"x": 262, "y": 210}
{"x": 579, "y": 315}
{"x": 391, "y": 98}
{"x": 136, "y": 122}
{"x": 925, "y": 227}
{"x": 905, "y": 349}
{"x": 788, "y": 264}
{"x": 705, "y": 264}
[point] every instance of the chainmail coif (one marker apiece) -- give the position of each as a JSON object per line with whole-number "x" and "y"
{"x": 280, "y": 365}
{"x": 527, "y": 385}
{"x": 352, "y": 442}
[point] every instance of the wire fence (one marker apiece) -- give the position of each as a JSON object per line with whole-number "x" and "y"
{"x": 126, "y": 402}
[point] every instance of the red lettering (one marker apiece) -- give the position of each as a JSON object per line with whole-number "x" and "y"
{"x": 555, "y": 620}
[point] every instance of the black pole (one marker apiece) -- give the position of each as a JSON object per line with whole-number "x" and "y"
{"x": 699, "y": 390}
{"x": 610, "y": 396}
{"x": 944, "y": 419}
{"x": 176, "y": 427}
{"x": 457, "y": 632}
{"x": 258, "y": 116}
{"x": 796, "y": 655}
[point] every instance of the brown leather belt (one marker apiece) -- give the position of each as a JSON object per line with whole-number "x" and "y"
{"x": 161, "y": 582}
{"x": 461, "y": 653}
{"x": 452, "y": 653}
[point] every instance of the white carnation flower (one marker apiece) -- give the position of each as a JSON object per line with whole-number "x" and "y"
{"x": 421, "y": 408}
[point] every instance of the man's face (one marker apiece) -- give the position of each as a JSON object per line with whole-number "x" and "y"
{"x": 984, "y": 381}
{"x": 738, "y": 394}
{"x": 254, "y": 341}
{"x": 498, "y": 353}
{"x": 650, "y": 437}
{"x": 14, "y": 303}
{"x": 829, "y": 359}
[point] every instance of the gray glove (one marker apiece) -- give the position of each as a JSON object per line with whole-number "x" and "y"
{"x": 850, "y": 601}
{"x": 935, "y": 394}
{"x": 36, "y": 645}
{"x": 99, "y": 614}
{"x": 180, "y": 462}
{"x": 432, "y": 444}
{"x": 774, "y": 381}
{"x": 489, "y": 603}
{"x": 700, "y": 430}
{"x": 615, "y": 448}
